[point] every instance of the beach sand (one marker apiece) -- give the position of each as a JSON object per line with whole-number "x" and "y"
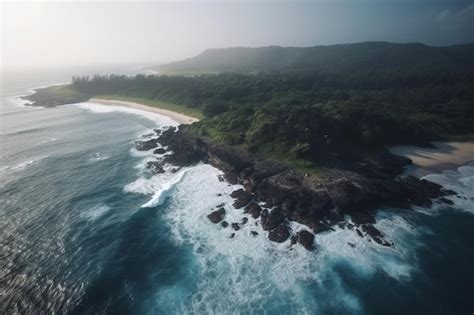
{"x": 178, "y": 117}
{"x": 445, "y": 156}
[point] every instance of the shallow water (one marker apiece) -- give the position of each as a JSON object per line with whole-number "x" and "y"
{"x": 84, "y": 227}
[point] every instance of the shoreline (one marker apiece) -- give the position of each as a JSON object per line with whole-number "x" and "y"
{"x": 444, "y": 156}
{"x": 178, "y": 117}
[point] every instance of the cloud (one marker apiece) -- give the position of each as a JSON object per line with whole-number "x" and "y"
{"x": 460, "y": 20}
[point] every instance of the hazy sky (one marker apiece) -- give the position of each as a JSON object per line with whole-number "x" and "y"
{"x": 53, "y": 33}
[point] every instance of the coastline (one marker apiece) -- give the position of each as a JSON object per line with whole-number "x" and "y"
{"x": 444, "y": 156}
{"x": 178, "y": 117}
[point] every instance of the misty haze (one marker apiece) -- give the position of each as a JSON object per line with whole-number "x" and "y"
{"x": 237, "y": 157}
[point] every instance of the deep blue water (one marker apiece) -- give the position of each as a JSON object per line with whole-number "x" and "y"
{"x": 85, "y": 228}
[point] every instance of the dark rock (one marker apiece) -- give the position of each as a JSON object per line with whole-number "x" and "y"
{"x": 271, "y": 219}
{"x": 293, "y": 240}
{"x": 232, "y": 235}
{"x": 279, "y": 234}
{"x": 146, "y": 145}
{"x": 446, "y": 201}
{"x": 359, "y": 233}
{"x": 347, "y": 195}
{"x": 242, "y": 198}
{"x": 224, "y": 224}
{"x": 217, "y": 216}
{"x": 159, "y": 151}
{"x": 319, "y": 227}
{"x": 219, "y": 195}
{"x": 361, "y": 217}
{"x": 375, "y": 234}
{"x": 235, "y": 226}
{"x": 253, "y": 209}
{"x": 306, "y": 239}
{"x": 156, "y": 166}
{"x": 254, "y": 233}
{"x": 244, "y": 220}
{"x": 351, "y": 244}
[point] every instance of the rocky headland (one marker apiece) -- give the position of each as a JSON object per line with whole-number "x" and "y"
{"x": 346, "y": 195}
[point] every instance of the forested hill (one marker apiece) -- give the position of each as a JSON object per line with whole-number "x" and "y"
{"x": 344, "y": 59}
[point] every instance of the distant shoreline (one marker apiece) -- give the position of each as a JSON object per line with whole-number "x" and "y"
{"x": 178, "y": 117}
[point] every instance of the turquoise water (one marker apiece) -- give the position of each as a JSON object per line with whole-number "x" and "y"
{"x": 85, "y": 228}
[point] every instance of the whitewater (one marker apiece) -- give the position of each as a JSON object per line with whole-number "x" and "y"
{"x": 85, "y": 226}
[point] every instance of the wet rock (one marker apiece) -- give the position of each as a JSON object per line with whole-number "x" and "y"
{"x": 235, "y": 226}
{"x": 306, "y": 239}
{"x": 224, "y": 224}
{"x": 446, "y": 201}
{"x": 270, "y": 220}
{"x": 279, "y": 234}
{"x": 217, "y": 216}
{"x": 375, "y": 234}
{"x": 242, "y": 198}
{"x": 156, "y": 167}
{"x": 146, "y": 145}
{"x": 159, "y": 151}
{"x": 253, "y": 209}
{"x": 319, "y": 227}
{"x": 361, "y": 217}
{"x": 293, "y": 240}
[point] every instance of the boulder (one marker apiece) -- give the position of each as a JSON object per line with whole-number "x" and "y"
{"x": 253, "y": 209}
{"x": 224, "y": 224}
{"x": 242, "y": 198}
{"x": 306, "y": 239}
{"x": 217, "y": 216}
{"x": 159, "y": 151}
{"x": 235, "y": 226}
{"x": 279, "y": 234}
{"x": 375, "y": 234}
{"x": 270, "y": 220}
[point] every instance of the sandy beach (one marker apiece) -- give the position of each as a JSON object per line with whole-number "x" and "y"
{"x": 446, "y": 156}
{"x": 178, "y": 117}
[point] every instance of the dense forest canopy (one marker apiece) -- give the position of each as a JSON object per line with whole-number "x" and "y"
{"x": 310, "y": 114}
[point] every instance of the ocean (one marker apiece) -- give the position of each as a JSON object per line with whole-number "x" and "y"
{"x": 86, "y": 228}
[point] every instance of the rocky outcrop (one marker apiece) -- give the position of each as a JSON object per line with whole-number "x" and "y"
{"x": 217, "y": 216}
{"x": 270, "y": 220}
{"x": 159, "y": 151}
{"x": 242, "y": 198}
{"x": 279, "y": 234}
{"x": 306, "y": 239}
{"x": 253, "y": 209}
{"x": 146, "y": 145}
{"x": 353, "y": 188}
